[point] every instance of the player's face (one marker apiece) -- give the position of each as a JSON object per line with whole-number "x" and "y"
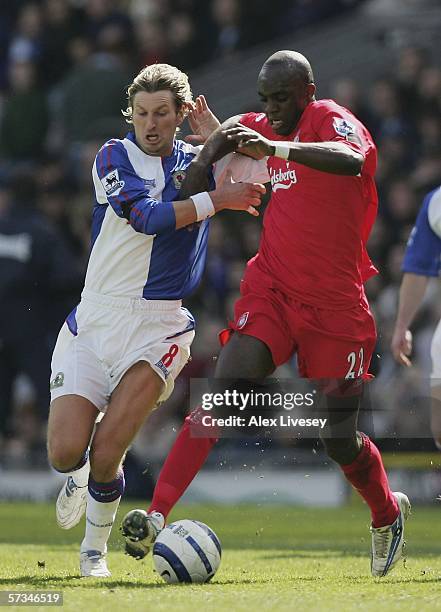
{"x": 155, "y": 120}
{"x": 283, "y": 99}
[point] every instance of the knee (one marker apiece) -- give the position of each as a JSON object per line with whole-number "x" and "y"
{"x": 342, "y": 450}
{"x": 63, "y": 456}
{"x": 104, "y": 462}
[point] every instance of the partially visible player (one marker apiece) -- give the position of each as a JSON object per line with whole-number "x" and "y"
{"x": 121, "y": 349}
{"x": 422, "y": 261}
{"x": 303, "y": 292}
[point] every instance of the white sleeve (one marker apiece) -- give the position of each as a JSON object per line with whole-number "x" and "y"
{"x": 244, "y": 169}
{"x": 434, "y": 213}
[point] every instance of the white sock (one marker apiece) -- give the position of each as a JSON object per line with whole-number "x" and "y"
{"x": 100, "y": 517}
{"x": 81, "y": 476}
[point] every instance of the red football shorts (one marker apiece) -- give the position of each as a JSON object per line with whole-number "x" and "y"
{"x": 329, "y": 344}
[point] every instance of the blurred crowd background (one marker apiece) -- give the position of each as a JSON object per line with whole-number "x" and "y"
{"x": 64, "y": 69}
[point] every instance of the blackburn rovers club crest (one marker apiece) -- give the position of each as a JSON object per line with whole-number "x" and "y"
{"x": 178, "y": 178}
{"x": 242, "y": 320}
{"x": 58, "y": 381}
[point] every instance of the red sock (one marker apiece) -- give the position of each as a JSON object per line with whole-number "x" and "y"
{"x": 183, "y": 462}
{"x": 367, "y": 474}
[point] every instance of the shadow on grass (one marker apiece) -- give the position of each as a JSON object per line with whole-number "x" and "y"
{"x": 315, "y": 554}
{"x": 37, "y": 580}
{"x": 419, "y": 580}
{"x": 76, "y": 581}
{"x": 362, "y": 580}
{"x": 265, "y": 580}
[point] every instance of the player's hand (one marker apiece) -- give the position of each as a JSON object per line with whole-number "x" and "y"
{"x": 401, "y": 346}
{"x": 238, "y": 196}
{"x": 249, "y": 142}
{"x": 203, "y": 122}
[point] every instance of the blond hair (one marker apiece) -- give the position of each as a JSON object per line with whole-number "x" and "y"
{"x": 158, "y": 77}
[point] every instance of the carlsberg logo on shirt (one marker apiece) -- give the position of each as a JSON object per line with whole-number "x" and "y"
{"x": 279, "y": 179}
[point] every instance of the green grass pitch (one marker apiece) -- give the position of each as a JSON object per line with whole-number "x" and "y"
{"x": 274, "y": 558}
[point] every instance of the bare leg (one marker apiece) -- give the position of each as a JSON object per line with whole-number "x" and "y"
{"x": 70, "y": 426}
{"x": 132, "y": 401}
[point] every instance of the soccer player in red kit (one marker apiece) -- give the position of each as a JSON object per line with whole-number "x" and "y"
{"x": 303, "y": 291}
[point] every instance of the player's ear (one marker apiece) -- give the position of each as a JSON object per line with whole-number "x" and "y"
{"x": 310, "y": 92}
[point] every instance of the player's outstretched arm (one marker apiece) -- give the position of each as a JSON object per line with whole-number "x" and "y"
{"x": 412, "y": 290}
{"x": 150, "y": 216}
{"x": 216, "y": 147}
{"x": 231, "y": 196}
{"x": 127, "y": 196}
{"x": 332, "y": 157}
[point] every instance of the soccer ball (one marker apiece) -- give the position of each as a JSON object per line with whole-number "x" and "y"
{"x": 187, "y": 551}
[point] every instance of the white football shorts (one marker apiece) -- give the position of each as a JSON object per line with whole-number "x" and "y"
{"x": 105, "y": 336}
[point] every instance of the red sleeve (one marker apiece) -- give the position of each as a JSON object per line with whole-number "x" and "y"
{"x": 255, "y": 121}
{"x": 332, "y": 122}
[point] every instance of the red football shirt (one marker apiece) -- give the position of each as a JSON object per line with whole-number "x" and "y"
{"x": 313, "y": 244}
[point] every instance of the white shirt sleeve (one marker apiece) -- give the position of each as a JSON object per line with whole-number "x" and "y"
{"x": 244, "y": 169}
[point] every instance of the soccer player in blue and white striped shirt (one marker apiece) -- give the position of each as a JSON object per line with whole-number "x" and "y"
{"x": 120, "y": 350}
